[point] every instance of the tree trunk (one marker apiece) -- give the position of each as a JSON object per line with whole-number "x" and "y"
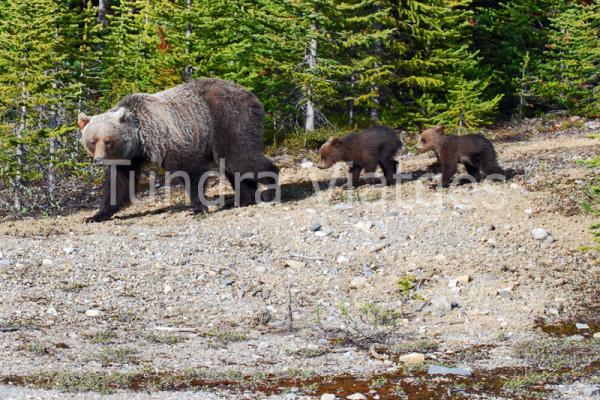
{"x": 187, "y": 73}
{"x": 351, "y": 101}
{"x": 377, "y": 99}
{"x": 53, "y": 123}
{"x": 312, "y": 64}
{"x": 102, "y": 13}
{"x": 18, "y": 156}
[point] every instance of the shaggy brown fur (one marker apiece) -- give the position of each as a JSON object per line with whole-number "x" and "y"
{"x": 188, "y": 128}
{"x": 365, "y": 150}
{"x": 475, "y": 152}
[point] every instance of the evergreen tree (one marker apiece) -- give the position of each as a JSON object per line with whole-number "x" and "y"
{"x": 440, "y": 78}
{"x": 510, "y": 37}
{"x": 368, "y": 49}
{"x": 569, "y": 75}
{"x": 34, "y": 90}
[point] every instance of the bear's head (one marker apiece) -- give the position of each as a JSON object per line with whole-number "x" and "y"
{"x": 331, "y": 152}
{"x": 430, "y": 138}
{"x": 109, "y": 136}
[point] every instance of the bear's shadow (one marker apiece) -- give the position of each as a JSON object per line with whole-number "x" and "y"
{"x": 297, "y": 191}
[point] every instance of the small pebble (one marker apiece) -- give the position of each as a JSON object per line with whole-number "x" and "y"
{"x": 47, "y": 262}
{"x": 342, "y": 260}
{"x": 262, "y": 347}
{"x": 413, "y": 358}
{"x": 439, "y": 370}
{"x": 294, "y": 264}
{"x": 93, "y": 312}
{"x": 505, "y": 292}
{"x": 581, "y": 326}
{"x": 364, "y": 225}
{"x": 539, "y": 234}
{"x": 328, "y": 396}
{"x": 315, "y": 227}
{"x": 357, "y": 396}
{"x": 358, "y": 282}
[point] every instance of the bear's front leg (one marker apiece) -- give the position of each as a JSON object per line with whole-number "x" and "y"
{"x": 119, "y": 187}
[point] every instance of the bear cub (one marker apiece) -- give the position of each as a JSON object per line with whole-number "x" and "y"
{"x": 366, "y": 150}
{"x": 475, "y": 152}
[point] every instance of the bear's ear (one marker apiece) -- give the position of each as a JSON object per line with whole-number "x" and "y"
{"x": 82, "y": 120}
{"x": 119, "y": 115}
{"x": 439, "y": 128}
{"x": 335, "y": 141}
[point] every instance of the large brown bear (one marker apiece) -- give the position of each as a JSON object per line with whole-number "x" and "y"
{"x": 186, "y": 129}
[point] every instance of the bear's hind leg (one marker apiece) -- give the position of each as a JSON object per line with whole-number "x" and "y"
{"x": 389, "y": 167}
{"x": 473, "y": 170}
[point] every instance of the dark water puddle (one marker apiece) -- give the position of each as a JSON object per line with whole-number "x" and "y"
{"x": 416, "y": 385}
{"x": 564, "y": 329}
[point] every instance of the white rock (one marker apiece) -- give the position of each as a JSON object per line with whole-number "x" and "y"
{"x": 320, "y": 234}
{"x": 328, "y": 396}
{"x": 167, "y": 289}
{"x": 492, "y": 242}
{"x": 47, "y": 262}
{"x": 592, "y": 125}
{"x": 357, "y": 396}
{"x": 68, "y": 250}
{"x": 413, "y": 358}
{"x": 529, "y": 211}
{"x": 464, "y": 279}
{"x": 93, "y": 312}
{"x": 452, "y": 283}
{"x": 539, "y": 234}
{"x": 505, "y": 292}
{"x": 261, "y": 270}
{"x": 262, "y": 347}
{"x": 342, "y": 260}
{"x": 294, "y": 264}
{"x": 307, "y": 164}
{"x": 582, "y": 326}
{"x": 358, "y": 282}
{"x": 596, "y": 335}
{"x": 52, "y": 311}
{"x": 364, "y": 225}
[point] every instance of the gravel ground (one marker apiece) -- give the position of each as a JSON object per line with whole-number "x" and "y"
{"x": 307, "y": 285}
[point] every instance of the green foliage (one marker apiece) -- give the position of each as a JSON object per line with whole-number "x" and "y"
{"x": 569, "y": 75}
{"x": 592, "y": 205}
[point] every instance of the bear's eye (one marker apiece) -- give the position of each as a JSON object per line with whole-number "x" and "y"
{"x": 107, "y": 142}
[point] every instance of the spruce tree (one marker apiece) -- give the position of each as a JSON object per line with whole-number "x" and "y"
{"x": 569, "y": 75}
{"x": 440, "y": 79}
{"x": 34, "y": 90}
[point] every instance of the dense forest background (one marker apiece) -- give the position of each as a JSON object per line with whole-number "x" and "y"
{"x": 315, "y": 64}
